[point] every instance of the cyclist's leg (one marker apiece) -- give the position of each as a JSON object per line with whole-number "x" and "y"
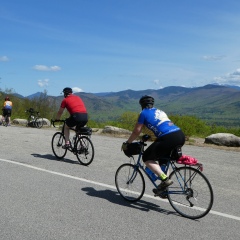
{"x": 70, "y": 122}
{"x": 163, "y": 147}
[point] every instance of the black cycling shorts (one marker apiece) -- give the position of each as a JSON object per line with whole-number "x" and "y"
{"x": 79, "y": 119}
{"x": 163, "y": 146}
{"x": 7, "y": 112}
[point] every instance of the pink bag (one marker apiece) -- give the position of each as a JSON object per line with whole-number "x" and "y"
{"x": 187, "y": 160}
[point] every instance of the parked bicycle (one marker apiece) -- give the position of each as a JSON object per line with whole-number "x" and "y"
{"x": 34, "y": 119}
{"x": 80, "y": 144}
{"x": 190, "y": 195}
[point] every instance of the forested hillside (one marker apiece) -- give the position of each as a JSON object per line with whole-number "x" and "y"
{"x": 216, "y": 105}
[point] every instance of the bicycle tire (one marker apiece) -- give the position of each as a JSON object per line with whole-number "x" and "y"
{"x": 7, "y": 120}
{"x": 84, "y": 150}
{"x": 129, "y": 182}
{"x": 38, "y": 122}
{"x": 196, "y": 200}
{"x": 58, "y": 140}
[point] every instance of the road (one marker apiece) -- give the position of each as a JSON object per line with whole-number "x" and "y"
{"x": 42, "y": 198}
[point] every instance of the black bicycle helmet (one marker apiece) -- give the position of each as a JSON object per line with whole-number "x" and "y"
{"x": 146, "y": 101}
{"x": 67, "y": 91}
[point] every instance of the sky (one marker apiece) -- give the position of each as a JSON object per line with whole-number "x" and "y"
{"x": 114, "y": 45}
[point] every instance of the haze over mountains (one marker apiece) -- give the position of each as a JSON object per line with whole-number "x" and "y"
{"x": 215, "y": 104}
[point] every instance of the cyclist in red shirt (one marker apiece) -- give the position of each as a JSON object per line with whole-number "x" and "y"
{"x": 77, "y": 110}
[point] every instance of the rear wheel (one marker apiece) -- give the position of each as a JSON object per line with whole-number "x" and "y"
{"x": 58, "y": 140}
{"x": 84, "y": 150}
{"x": 130, "y": 182}
{"x": 191, "y": 194}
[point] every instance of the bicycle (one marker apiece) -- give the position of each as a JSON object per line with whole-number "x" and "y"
{"x": 34, "y": 119}
{"x": 80, "y": 145}
{"x": 190, "y": 195}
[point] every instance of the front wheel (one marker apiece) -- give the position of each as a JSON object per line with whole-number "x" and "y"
{"x": 84, "y": 150}
{"x": 130, "y": 182}
{"x": 58, "y": 140}
{"x": 191, "y": 194}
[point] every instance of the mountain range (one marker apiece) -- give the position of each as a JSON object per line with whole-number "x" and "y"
{"x": 214, "y": 104}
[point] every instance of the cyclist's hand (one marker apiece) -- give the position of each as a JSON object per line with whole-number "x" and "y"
{"x": 125, "y": 146}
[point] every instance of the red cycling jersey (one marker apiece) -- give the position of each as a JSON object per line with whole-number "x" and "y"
{"x": 73, "y": 104}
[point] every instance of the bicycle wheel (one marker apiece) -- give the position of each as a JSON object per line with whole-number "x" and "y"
{"x": 6, "y": 120}
{"x": 58, "y": 140}
{"x": 39, "y": 122}
{"x": 84, "y": 150}
{"x": 130, "y": 182}
{"x": 191, "y": 194}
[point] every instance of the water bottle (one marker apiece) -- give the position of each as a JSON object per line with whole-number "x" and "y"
{"x": 163, "y": 167}
{"x": 151, "y": 174}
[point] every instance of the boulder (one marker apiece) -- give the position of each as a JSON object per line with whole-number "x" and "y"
{"x": 223, "y": 139}
{"x": 19, "y": 121}
{"x": 115, "y": 130}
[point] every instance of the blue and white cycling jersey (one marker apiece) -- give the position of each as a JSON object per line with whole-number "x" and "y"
{"x": 157, "y": 121}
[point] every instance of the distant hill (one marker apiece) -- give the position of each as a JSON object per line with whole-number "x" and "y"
{"x": 214, "y": 104}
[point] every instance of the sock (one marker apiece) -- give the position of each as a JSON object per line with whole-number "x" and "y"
{"x": 163, "y": 176}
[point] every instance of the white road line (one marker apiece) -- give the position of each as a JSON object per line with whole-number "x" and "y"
{"x": 105, "y": 185}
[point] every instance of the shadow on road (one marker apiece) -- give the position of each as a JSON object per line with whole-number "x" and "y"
{"x": 115, "y": 198}
{"x": 52, "y": 157}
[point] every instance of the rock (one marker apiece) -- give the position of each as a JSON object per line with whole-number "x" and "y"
{"x": 223, "y": 139}
{"x": 115, "y": 130}
{"x": 19, "y": 121}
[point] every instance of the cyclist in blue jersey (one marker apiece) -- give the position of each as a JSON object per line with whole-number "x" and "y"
{"x": 168, "y": 136}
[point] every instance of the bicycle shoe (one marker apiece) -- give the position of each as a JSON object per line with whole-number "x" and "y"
{"x": 161, "y": 194}
{"x": 66, "y": 146}
{"x": 165, "y": 183}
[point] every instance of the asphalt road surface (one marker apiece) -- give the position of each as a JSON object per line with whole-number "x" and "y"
{"x": 43, "y": 198}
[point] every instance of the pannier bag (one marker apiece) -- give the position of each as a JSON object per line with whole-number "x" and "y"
{"x": 133, "y": 149}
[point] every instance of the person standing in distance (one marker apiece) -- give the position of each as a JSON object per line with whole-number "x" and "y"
{"x": 77, "y": 110}
{"x": 7, "y": 109}
{"x": 168, "y": 136}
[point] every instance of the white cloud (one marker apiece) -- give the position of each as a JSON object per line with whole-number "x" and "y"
{"x": 213, "y": 58}
{"x": 157, "y": 82}
{"x": 46, "y": 68}
{"x": 230, "y": 78}
{"x": 4, "y": 59}
{"x": 43, "y": 83}
{"x": 77, "y": 89}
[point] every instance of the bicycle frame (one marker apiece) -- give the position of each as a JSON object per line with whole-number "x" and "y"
{"x": 170, "y": 164}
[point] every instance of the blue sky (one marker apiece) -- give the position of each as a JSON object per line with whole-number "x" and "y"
{"x": 114, "y": 45}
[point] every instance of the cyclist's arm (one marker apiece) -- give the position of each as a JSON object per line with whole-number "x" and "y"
{"x": 59, "y": 113}
{"x": 135, "y": 133}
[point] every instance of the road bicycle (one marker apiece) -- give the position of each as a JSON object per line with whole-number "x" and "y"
{"x": 34, "y": 119}
{"x": 190, "y": 195}
{"x": 80, "y": 144}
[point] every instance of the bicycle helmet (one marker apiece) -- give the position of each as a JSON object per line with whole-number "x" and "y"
{"x": 146, "y": 101}
{"x": 7, "y": 99}
{"x": 67, "y": 91}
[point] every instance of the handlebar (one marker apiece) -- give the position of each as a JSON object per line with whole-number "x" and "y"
{"x": 54, "y": 121}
